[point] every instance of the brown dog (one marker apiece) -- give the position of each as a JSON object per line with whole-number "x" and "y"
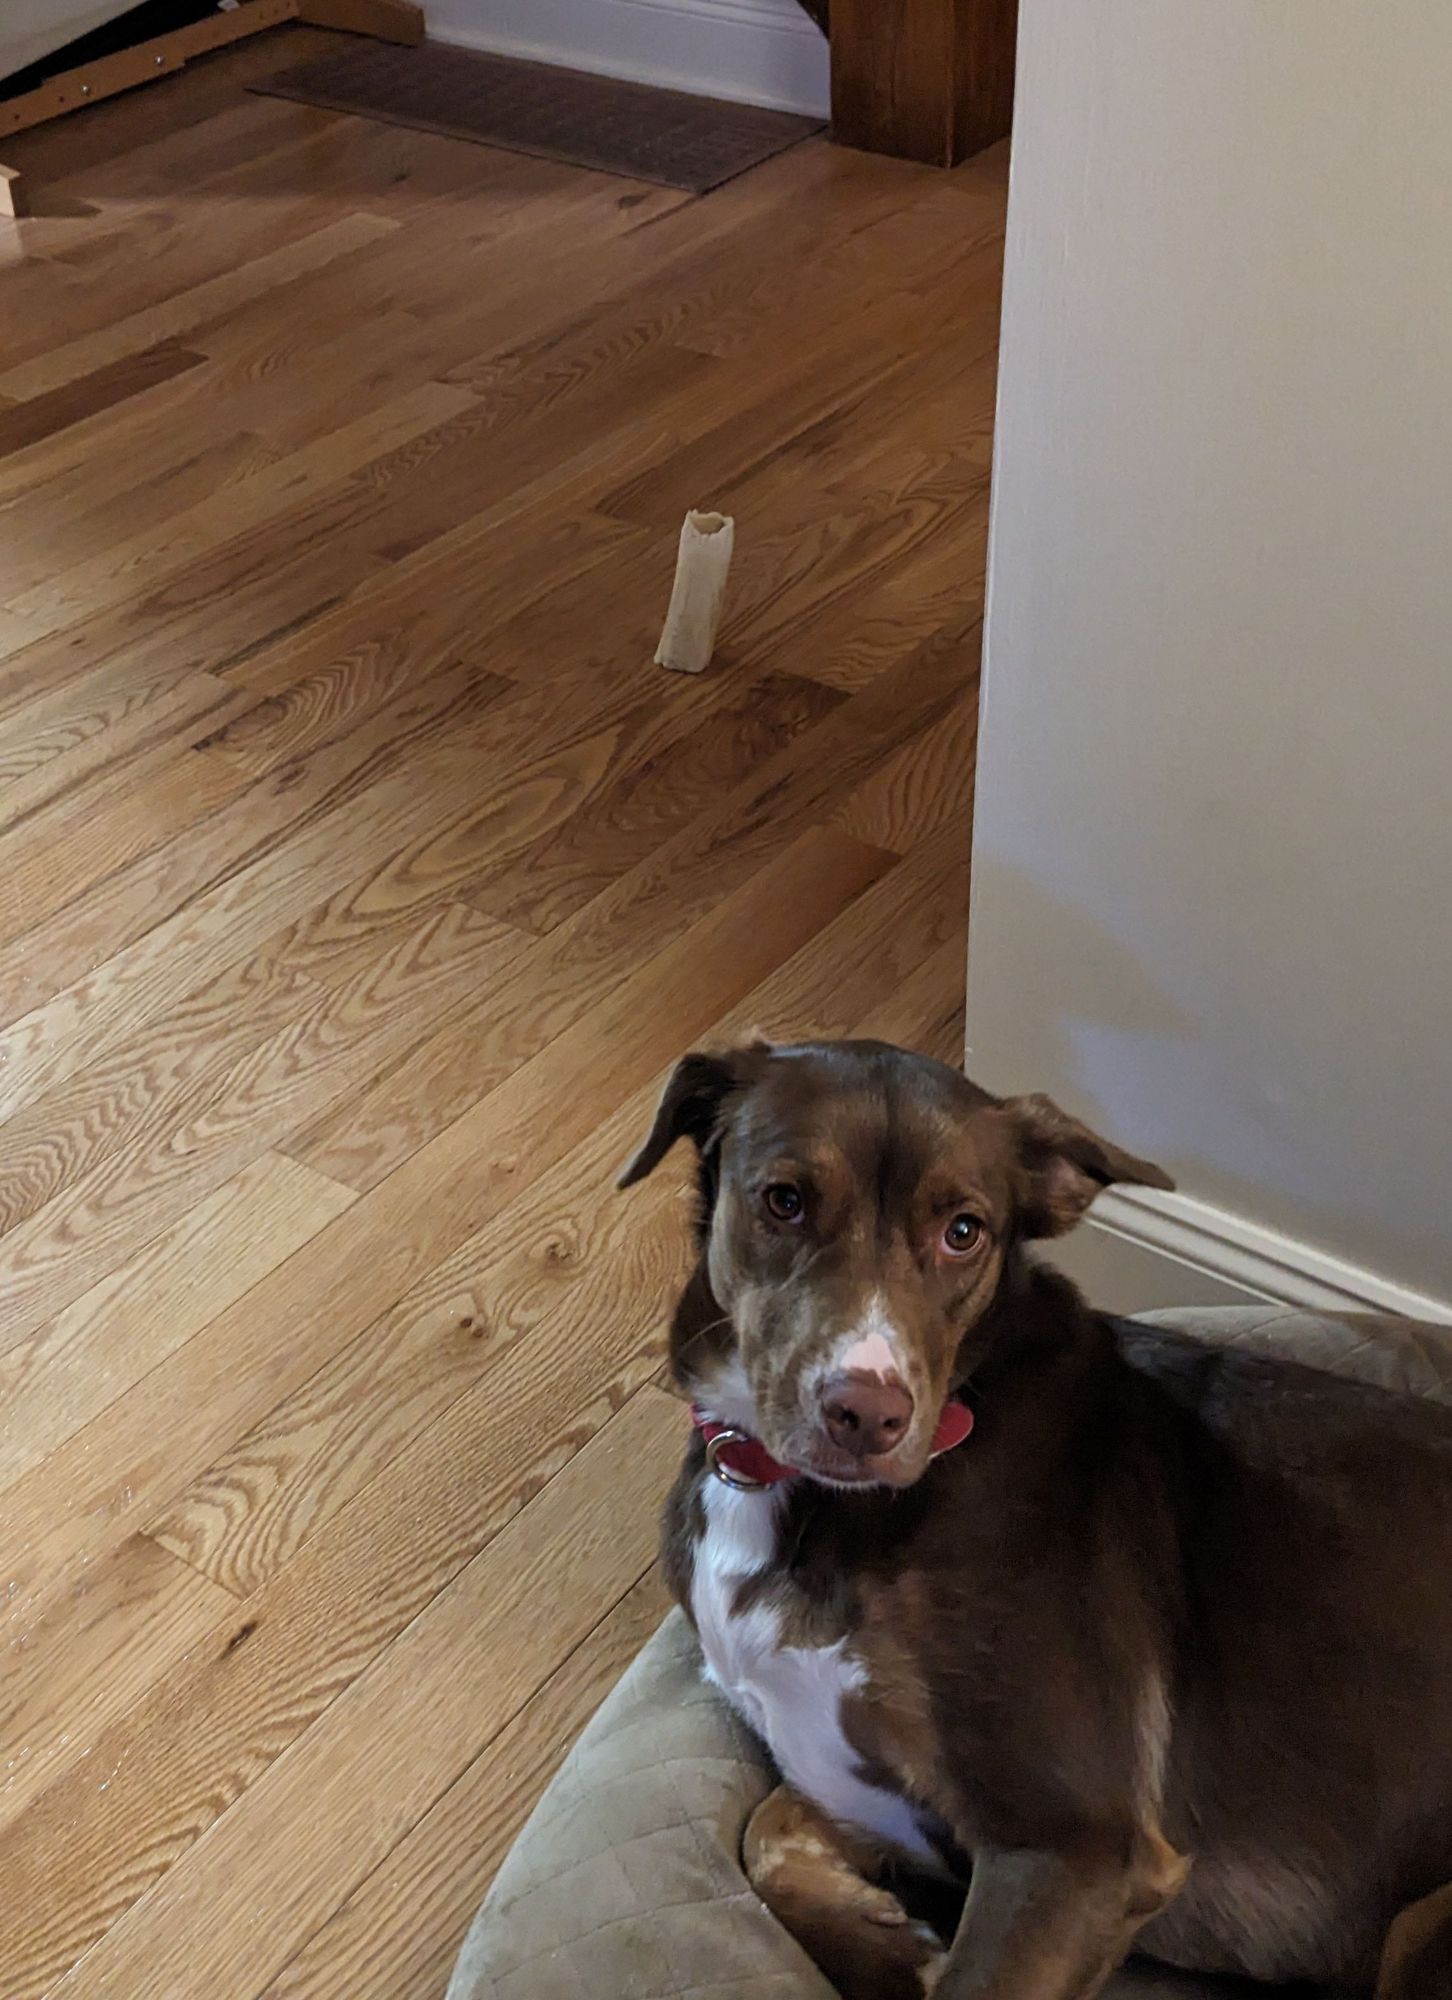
{"x": 1161, "y": 1654}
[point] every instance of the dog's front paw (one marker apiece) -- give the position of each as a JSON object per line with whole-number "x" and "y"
{"x": 891, "y": 1956}
{"x": 933, "y": 1969}
{"x": 816, "y": 1878}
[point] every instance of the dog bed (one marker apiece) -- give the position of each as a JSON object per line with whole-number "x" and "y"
{"x": 626, "y": 1882}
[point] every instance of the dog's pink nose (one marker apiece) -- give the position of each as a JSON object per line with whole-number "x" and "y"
{"x": 866, "y": 1414}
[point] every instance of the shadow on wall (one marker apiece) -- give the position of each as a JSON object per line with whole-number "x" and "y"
{"x": 1128, "y": 1059}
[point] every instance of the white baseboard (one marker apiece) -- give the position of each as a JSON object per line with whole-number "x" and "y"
{"x": 758, "y": 51}
{"x": 1195, "y": 1246}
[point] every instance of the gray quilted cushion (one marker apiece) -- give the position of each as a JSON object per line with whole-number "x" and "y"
{"x": 626, "y": 1884}
{"x": 1400, "y": 1354}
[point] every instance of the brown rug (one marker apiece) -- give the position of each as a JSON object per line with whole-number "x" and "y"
{"x": 667, "y": 136}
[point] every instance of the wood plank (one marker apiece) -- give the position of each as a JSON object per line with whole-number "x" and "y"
{"x": 128, "y": 568}
{"x": 76, "y": 1365}
{"x": 365, "y": 1141}
{"x": 398, "y": 1934}
{"x": 926, "y": 789}
{"x": 926, "y": 1011}
{"x": 53, "y": 860}
{"x": 96, "y": 499}
{"x": 565, "y": 1256}
{"x": 16, "y": 632}
{"x": 855, "y": 590}
{"x": 163, "y": 1434}
{"x": 81, "y": 738}
{"x": 127, "y": 249}
{"x": 936, "y": 576}
{"x": 121, "y": 139}
{"x": 172, "y": 319}
{"x": 180, "y": 1119}
{"x": 569, "y": 433}
{"x": 41, "y": 416}
{"x": 224, "y": 890}
{"x": 790, "y": 404}
{"x": 220, "y": 1717}
{"x": 243, "y": 594}
{"x": 487, "y": 1641}
{"x": 124, "y": 1623}
{"x": 159, "y": 1078}
{"x": 407, "y": 622}
{"x": 660, "y": 791}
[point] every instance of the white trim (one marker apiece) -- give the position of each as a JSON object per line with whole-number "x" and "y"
{"x": 777, "y": 14}
{"x": 1258, "y": 1260}
{"x": 756, "y": 51}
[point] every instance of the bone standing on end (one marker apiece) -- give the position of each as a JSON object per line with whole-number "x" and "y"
{"x": 698, "y": 594}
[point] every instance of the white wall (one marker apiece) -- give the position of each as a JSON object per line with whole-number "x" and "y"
{"x": 1213, "y": 844}
{"x": 30, "y": 29}
{"x": 762, "y": 51}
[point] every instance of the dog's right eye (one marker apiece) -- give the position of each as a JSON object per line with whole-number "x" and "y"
{"x": 783, "y": 1201}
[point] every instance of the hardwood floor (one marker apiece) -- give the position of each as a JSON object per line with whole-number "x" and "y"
{"x": 361, "y": 878}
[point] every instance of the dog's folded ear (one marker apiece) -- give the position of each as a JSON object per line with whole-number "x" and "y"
{"x": 1065, "y": 1166}
{"x": 691, "y": 1103}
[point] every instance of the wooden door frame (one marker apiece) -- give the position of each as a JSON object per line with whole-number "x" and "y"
{"x": 928, "y": 80}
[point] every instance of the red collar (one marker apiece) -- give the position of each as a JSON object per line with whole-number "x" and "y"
{"x": 744, "y": 1462}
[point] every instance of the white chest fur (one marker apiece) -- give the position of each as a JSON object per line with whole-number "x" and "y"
{"x": 791, "y": 1695}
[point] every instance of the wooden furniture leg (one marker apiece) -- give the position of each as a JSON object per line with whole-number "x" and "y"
{"x": 12, "y": 192}
{"x": 387, "y": 20}
{"x": 73, "y": 89}
{"x": 927, "y": 80}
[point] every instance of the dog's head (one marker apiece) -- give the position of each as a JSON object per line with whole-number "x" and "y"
{"x": 859, "y": 1207}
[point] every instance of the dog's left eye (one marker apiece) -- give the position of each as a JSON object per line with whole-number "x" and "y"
{"x": 783, "y": 1201}
{"x": 963, "y": 1233}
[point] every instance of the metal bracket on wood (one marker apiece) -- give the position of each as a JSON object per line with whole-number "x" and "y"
{"x": 74, "y": 89}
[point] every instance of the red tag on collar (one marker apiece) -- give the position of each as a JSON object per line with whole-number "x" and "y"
{"x": 954, "y": 1425}
{"x": 743, "y": 1461}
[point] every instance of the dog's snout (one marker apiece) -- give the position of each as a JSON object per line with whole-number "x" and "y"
{"x": 866, "y": 1414}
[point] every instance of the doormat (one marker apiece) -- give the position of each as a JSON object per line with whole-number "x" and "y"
{"x": 667, "y": 136}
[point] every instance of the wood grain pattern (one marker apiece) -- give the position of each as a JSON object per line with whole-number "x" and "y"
{"x": 171, "y": 1127}
{"x": 155, "y": 1438}
{"x": 400, "y": 1930}
{"x": 560, "y": 1246}
{"x": 488, "y": 1639}
{"x": 283, "y": 488}
{"x": 203, "y": 303}
{"x": 15, "y": 632}
{"x": 79, "y": 1362}
{"x": 360, "y": 878}
{"x": 365, "y": 1140}
{"x": 926, "y": 80}
{"x": 75, "y": 1668}
{"x": 59, "y": 859}
{"x": 25, "y": 422}
{"x": 63, "y": 518}
{"x": 94, "y": 727}
{"x": 295, "y": 834}
{"x": 663, "y": 786}
{"x": 925, "y": 789}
